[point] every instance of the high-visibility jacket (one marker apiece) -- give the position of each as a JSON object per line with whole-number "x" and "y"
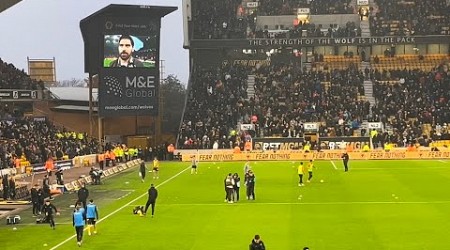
{"x": 49, "y": 164}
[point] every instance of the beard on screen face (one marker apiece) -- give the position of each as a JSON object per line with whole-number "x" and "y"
{"x": 124, "y": 56}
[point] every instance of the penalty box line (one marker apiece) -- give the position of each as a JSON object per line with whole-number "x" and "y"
{"x": 122, "y": 207}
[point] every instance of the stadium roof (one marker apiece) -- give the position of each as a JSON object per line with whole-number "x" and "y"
{"x": 6, "y": 4}
{"x": 74, "y": 108}
{"x": 74, "y": 93}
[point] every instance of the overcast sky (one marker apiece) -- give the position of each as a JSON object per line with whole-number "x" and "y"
{"x": 42, "y": 29}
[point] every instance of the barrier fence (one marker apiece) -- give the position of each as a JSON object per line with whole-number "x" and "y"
{"x": 324, "y": 155}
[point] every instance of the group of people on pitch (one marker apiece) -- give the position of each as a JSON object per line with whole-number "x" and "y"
{"x": 232, "y": 184}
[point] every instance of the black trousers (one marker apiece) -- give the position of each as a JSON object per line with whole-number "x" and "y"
{"x": 301, "y": 178}
{"x": 79, "y": 230}
{"x": 36, "y": 207}
{"x": 345, "y": 166}
{"x": 83, "y": 202}
{"x": 251, "y": 191}
{"x": 310, "y": 175}
{"x": 230, "y": 194}
{"x": 50, "y": 220}
{"x": 143, "y": 175}
{"x": 152, "y": 203}
{"x": 236, "y": 194}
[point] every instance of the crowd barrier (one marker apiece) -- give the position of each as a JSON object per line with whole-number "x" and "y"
{"x": 323, "y": 155}
{"x": 76, "y": 184}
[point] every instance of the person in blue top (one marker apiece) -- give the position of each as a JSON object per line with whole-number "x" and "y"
{"x": 78, "y": 222}
{"x": 91, "y": 216}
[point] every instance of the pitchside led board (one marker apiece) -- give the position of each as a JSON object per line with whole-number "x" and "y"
{"x": 126, "y": 57}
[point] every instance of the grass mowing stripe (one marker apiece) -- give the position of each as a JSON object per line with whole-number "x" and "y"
{"x": 122, "y": 207}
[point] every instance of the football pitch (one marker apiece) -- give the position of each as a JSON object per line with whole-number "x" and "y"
{"x": 376, "y": 205}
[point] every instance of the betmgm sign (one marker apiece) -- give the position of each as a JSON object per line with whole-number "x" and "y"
{"x": 122, "y": 46}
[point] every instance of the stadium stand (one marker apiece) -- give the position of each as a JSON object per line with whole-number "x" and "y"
{"x": 409, "y": 83}
{"x": 212, "y": 105}
{"x": 13, "y": 78}
{"x": 37, "y": 139}
{"x": 412, "y": 17}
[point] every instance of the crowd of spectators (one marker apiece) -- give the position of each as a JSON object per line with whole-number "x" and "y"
{"x": 13, "y": 78}
{"x": 408, "y": 99}
{"x": 286, "y": 96}
{"x": 312, "y": 30}
{"x": 213, "y": 107}
{"x": 218, "y": 19}
{"x": 37, "y": 139}
{"x": 229, "y": 20}
{"x": 413, "y": 17}
{"x": 317, "y": 7}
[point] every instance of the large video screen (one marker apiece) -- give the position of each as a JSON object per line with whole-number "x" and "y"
{"x": 130, "y": 51}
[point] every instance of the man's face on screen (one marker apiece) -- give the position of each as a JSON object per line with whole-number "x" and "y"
{"x": 125, "y": 49}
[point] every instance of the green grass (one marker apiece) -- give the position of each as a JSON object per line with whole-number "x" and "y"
{"x": 354, "y": 210}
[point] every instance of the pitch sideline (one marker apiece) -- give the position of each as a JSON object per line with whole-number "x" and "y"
{"x": 122, "y": 207}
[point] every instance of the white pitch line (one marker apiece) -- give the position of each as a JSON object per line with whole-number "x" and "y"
{"x": 388, "y": 168}
{"x": 442, "y": 161}
{"x": 334, "y": 165}
{"x": 307, "y": 203}
{"x": 122, "y": 207}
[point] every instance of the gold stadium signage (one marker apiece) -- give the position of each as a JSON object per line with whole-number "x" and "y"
{"x": 332, "y": 41}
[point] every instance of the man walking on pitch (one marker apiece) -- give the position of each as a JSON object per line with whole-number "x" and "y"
{"x": 78, "y": 222}
{"x": 310, "y": 170}
{"x": 300, "y": 172}
{"x": 91, "y": 216}
{"x": 250, "y": 183}
{"x": 257, "y": 244}
{"x": 142, "y": 171}
{"x": 194, "y": 165}
{"x": 83, "y": 194}
{"x": 48, "y": 209}
{"x": 152, "y": 195}
{"x": 345, "y": 159}
{"x": 156, "y": 168}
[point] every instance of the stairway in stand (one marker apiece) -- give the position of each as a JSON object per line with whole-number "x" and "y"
{"x": 250, "y": 86}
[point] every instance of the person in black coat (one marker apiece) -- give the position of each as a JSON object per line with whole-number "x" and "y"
{"x": 142, "y": 171}
{"x": 35, "y": 199}
{"x": 83, "y": 194}
{"x": 152, "y": 195}
{"x": 5, "y": 184}
{"x": 46, "y": 187}
{"x": 257, "y": 244}
{"x": 48, "y": 209}
{"x": 345, "y": 159}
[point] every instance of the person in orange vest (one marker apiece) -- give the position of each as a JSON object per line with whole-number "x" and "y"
{"x": 170, "y": 150}
{"x": 17, "y": 162}
{"x": 107, "y": 158}
{"x": 49, "y": 165}
{"x": 112, "y": 156}
{"x": 101, "y": 160}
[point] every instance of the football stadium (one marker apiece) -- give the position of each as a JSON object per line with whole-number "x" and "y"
{"x": 306, "y": 124}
